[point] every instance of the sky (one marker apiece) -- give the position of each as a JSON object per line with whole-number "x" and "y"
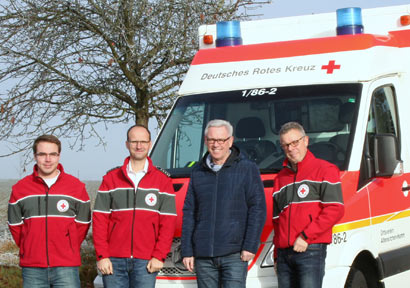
{"x": 284, "y": 8}
{"x": 94, "y": 161}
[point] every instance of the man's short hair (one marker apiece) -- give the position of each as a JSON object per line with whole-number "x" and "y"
{"x": 138, "y": 125}
{"x": 49, "y": 139}
{"x": 219, "y": 123}
{"x": 291, "y": 126}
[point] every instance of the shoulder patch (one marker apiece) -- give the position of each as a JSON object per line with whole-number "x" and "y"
{"x": 163, "y": 171}
{"x": 113, "y": 169}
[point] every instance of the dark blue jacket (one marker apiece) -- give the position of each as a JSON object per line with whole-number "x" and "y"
{"x": 224, "y": 211}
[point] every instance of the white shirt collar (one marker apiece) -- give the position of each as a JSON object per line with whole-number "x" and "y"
{"x": 51, "y": 181}
{"x": 145, "y": 170}
{"x": 137, "y": 176}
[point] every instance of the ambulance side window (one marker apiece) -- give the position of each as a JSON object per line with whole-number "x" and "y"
{"x": 183, "y": 142}
{"x": 383, "y": 118}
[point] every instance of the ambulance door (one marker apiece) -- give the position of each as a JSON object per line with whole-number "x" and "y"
{"x": 389, "y": 204}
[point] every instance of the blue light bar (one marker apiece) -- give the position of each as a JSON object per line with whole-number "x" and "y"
{"x": 349, "y": 21}
{"x": 228, "y": 33}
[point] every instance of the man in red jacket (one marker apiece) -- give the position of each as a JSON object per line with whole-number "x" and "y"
{"x": 49, "y": 216}
{"x": 134, "y": 217}
{"x": 307, "y": 202}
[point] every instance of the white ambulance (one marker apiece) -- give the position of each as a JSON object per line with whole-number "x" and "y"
{"x": 351, "y": 92}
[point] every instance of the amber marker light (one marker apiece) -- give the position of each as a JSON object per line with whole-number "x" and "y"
{"x": 405, "y": 20}
{"x": 208, "y": 39}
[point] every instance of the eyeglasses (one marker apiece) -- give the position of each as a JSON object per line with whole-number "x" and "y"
{"x": 138, "y": 142}
{"x": 219, "y": 141}
{"x": 293, "y": 143}
{"x": 44, "y": 155}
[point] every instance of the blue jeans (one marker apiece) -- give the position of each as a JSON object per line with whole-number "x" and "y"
{"x": 225, "y": 271}
{"x": 64, "y": 277}
{"x": 301, "y": 270}
{"x": 129, "y": 272}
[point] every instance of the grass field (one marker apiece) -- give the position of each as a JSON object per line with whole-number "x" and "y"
{"x": 10, "y": 272}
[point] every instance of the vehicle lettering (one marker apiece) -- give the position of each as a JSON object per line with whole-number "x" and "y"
{"x": 339, "y": 238}
{"x": 259, "y": 92}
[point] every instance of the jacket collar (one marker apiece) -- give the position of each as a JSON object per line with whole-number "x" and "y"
{"x": 127, "y": 160}
{"x": 59, "y": 167}
{"x": 233, "y": 157}
{"x": 302, "y": 164}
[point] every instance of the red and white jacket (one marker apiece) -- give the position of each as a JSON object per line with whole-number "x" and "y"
{"x": 49, "y": 224}
{"x": 307, "y": 202}
{"x": 130, "y": 221}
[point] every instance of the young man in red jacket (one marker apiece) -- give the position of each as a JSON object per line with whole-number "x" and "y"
{"x": 307, "y": 202}
{"x": 49, "y": 216}
{"x": 134, "y": 217}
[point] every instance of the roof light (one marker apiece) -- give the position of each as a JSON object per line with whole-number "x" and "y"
{"x": 405, "y": 20}
{"x": 208, "y": 39}
{"x": 349, "y": 21}
{"x": 228, "y": 33}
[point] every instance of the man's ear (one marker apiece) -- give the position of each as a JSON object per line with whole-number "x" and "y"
{"x": 231, "y": 140}
{"x": 306, "y": 140}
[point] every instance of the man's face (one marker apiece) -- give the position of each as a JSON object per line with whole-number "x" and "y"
{"x": 138, "y": 143}
{"x": 47, "y": 158}
{"x": 218, "y": 151}
{"x": 294, "y": 144}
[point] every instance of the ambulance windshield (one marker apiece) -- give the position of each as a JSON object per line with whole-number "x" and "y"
{"x": 327, "y": 112}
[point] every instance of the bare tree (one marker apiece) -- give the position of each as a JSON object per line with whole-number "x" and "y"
{"x": 71, "y": 64}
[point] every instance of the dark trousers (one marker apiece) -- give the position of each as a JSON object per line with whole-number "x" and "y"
{"x": 301, "y": 270}
{"x": 226, "y": 271}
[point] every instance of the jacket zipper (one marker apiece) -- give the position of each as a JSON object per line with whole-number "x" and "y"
{"x": 290, "y": 208}
{"x": 47, "y": 190}
{"x": 133, "y": 221}
{"x": 133, "y": 215}
{"x": 214, "y": 209}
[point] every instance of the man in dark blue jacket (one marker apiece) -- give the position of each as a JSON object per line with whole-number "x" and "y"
{"x": 224, "y": 212}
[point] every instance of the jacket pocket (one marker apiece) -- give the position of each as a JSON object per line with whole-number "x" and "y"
{"x": 73, "y": 237}
{"x": 236, "y": 232}
{"x": 111, "y": 232}
{"x": 23, "y": 237}
{"x": 155, "y": 232}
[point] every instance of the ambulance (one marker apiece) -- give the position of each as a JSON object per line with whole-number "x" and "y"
{"x": 345, "y": 76}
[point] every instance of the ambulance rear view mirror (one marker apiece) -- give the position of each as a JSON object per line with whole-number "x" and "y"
{"x": 387, "y": 157}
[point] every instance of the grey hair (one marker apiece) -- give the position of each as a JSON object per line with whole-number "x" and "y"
{"x": 219, "y": 123}
{"x": 291, "y": 126}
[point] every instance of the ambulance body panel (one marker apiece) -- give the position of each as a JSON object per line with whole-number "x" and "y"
{"x": 352, "y": 95}
{"x": 283, "y": 62}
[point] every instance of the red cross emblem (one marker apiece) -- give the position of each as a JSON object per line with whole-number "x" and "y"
{"x": 330, "y": 67}
{"x": 303, "y": 190}
{"x": 151, "y": 199}
{"x": 62, "y": 205}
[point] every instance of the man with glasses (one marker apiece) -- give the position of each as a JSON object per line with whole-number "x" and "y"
{"x": 134, "y": 217}
{"x": 49, "y": 216}
{"x": 224, "y": 212}
{"x": 307, "y": 203}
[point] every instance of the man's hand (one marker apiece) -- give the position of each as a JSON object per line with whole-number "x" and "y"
{"x": 105, "y": 266}
{"x": 300, "y": 245}
{"x": 154, "y": 265}
{"x": 246, "y": 256}
{"x": 189, "y": 263}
